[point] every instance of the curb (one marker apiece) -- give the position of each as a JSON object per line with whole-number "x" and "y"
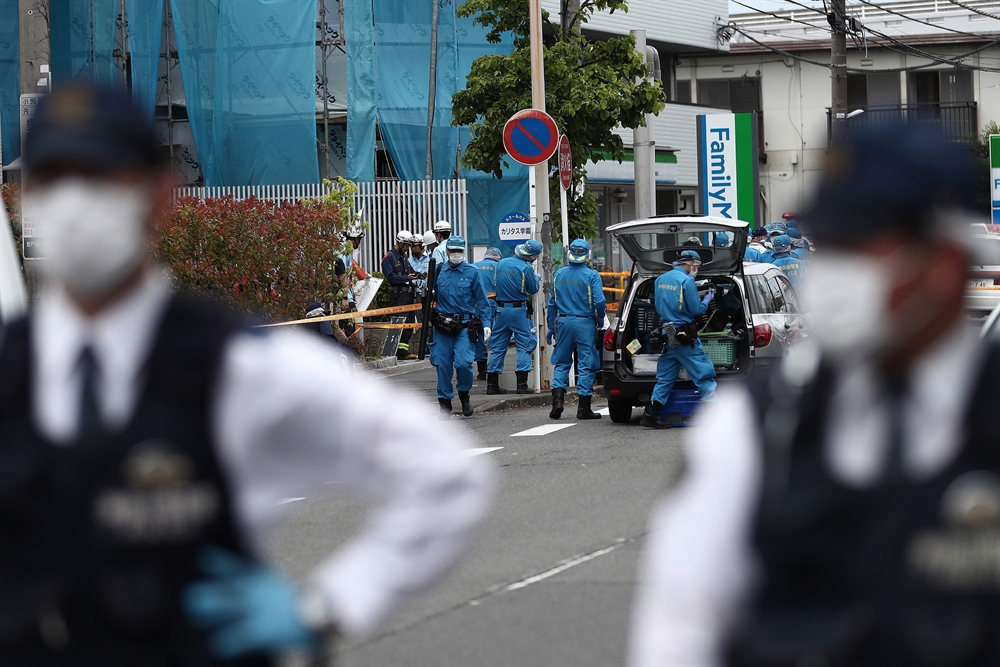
{"x": 521, "y": 401}
{"x": 377, "y": 364}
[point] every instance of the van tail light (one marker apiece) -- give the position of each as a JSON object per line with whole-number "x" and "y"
{"x": 609, "y": 340}
{"x": 762, "y": 335}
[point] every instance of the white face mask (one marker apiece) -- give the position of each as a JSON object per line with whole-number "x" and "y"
{"x": 847, "y": 299}
{"x": 455, "y": 258}
{"x": 95, "y": 232}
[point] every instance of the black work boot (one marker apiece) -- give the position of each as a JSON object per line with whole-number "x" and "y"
{"x": 466, "y": 403}
{"x": 522, "y": 382}
{"x": 558, "y": 398}
{"x": 583, "y": 410}
{"x": 651, "y": 416}
{"x": 481, "y": 367}
{"x": 493, "y": 384}
{"x": 445, "y": 404}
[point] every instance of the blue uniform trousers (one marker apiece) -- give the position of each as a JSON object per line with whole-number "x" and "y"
{"x": 695, "y": 361}
{"x": 575, "y": 333}
{"x": 481, "y": 351}
{"x": 512, "y": 322}
{"x": 452, "y": 355}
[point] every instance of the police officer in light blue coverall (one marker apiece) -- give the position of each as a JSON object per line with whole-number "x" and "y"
{"x": 676, "y": 300}
{"x": 460, "y": 295}
{"x": 516, "y": 285}
{"x": 799, "y": 248}
{"x": 488, "y": 273}
{"x": 789, "y": 264}
{"x": 576, "y": 308}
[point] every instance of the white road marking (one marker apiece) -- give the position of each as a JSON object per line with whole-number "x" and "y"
{"x": 285, "y": 501}
{"x": 543, "y": 430}
{"x": 476, "y": 451}
{"x": 603, "y": 411}
{"x": 562, "y": 567}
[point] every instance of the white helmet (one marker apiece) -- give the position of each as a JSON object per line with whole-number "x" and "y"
{"x": 442, "y": 226}
{"x": 403, "y": 236}
{"x": 429, "y": 238}
{"x": 416, "y": 239}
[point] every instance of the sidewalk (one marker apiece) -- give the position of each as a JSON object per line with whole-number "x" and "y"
{"x": 423, "y": 377}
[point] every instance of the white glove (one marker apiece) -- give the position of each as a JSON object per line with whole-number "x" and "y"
{"x": 486, "y": 333}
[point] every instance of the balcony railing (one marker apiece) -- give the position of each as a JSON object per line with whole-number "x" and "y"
{"x": 957, "y": 120}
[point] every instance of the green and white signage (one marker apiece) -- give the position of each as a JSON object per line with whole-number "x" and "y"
{"x": 995, "y": 176}
{"x": 727, "y": 166}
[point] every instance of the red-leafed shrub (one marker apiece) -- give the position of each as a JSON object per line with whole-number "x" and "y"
{"x": 254, "y": 255}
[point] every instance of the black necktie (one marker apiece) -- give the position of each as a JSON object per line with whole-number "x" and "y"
{"x": 90, "y": 425}
{"x": 896, "y": 387}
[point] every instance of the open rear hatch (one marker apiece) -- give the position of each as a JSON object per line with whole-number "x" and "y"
{"x": 654, "y": 244}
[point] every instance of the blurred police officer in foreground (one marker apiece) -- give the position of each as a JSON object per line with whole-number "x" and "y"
{"x": 846, "y": 509}
{"x": 488, "y": 272}
{"x": 147, "y": 439}
{"x": 575, "y": 313}
{"x": 676, "y": 299}
{"x": 402, "y": 281}
{"x": 516, "y": 284}
{"x": 462, "y": 315}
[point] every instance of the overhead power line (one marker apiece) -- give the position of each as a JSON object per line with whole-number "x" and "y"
{"x": 955, "y": 61}
{"x": 973, "y": 9}
{"x": 783, "y": 18}
{"x": 924, "y": 54}
{"x": 914, "y": 19}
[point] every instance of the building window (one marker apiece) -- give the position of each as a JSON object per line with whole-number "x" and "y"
{"x": 714, "y": 93}
{"x": 738, "y": 95}
{"x": 683, "y": 92}
{"x": 878, "y": 89}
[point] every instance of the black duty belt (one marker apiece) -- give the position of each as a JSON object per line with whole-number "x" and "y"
{"x": 511, "y": 304}
{"x": 402, "y": 289}
{"x": 582, "y": 317}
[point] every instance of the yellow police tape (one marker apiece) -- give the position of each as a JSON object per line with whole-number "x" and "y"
{"x": 383, "y": 325}
{"x": 393, "y": 310}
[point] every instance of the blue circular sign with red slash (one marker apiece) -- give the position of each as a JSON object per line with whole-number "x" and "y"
{"x": 530, "y": 136}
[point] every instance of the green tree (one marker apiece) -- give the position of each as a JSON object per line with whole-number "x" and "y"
{"x": 590, "y": 88}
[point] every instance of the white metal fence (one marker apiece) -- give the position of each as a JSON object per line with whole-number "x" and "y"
{"x": 387, "y": 207}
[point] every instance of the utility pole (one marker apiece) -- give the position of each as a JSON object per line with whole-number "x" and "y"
{"x": 543, "y": 369}
{"x": 838, "y": 68}
{"x": 644, "y": 149}
{"x": 432, "y": 93}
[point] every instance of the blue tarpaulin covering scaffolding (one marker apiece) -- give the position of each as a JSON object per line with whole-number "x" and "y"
{"x": 10, "y": 83}
{"x": 145, "y": 30}
{"x": 388, "y": 75}
{"x": 83, "y": 40}
{"x": 249, "y": 70}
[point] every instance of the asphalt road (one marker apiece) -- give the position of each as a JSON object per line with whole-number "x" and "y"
{"x": 549, "y": 580}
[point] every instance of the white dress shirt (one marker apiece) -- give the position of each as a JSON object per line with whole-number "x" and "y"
{"x": 699, "y": 566}
{"x": 288, "y": 419}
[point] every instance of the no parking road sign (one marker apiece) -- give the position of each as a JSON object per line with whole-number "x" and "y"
{"x": 530, "y": 136}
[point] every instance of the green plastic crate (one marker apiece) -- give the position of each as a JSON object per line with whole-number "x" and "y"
{"x": 721, "y": 350}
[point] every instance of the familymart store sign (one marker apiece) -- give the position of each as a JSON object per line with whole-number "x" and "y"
{"x": 728, "y": 177}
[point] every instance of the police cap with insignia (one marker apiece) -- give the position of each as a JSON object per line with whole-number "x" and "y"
{"x": 93, "y": 128}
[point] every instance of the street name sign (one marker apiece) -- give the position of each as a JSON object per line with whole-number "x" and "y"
{"x": 514, "y": 229}
{"x": 530, "y": 137}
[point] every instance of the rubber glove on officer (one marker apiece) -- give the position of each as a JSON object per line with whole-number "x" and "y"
{"x": 245, "y": 607}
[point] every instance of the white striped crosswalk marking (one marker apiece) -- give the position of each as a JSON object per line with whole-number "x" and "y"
{"x": 543, "y": 430}
{"x": 603, "y": 411}
{"x": 476, "y": 451}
